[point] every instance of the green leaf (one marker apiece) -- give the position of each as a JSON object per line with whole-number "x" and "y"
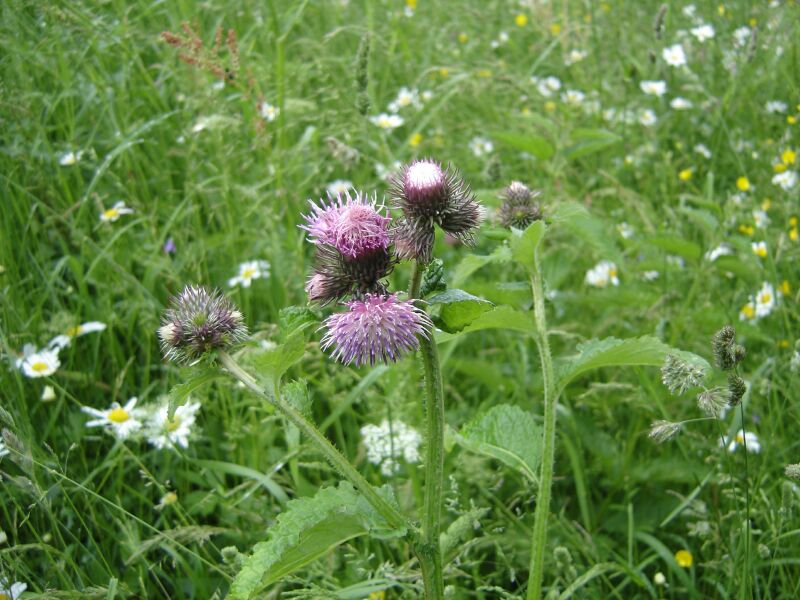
{"x": 676, "y": 245}
{"x": 296, "y": 394}
{"x": 506, "y": 433}
{"x": 197, "y": 378}
{"x": 307, "y": 529}
{"x": 610, "y": 352}
{"x": 273, "y": 363}
{"x": 525, "y": 245}
{"x": 500, "y": 317}
{"x": 294, "y": 318}
{"x": 459, "y": 309}
{"x": 473, "y": 262}
{"x": 589, "y": 141}
{"x": 575, "y": 218}
{"x": 536, "y": 145}
{"x": 233, "y": 469}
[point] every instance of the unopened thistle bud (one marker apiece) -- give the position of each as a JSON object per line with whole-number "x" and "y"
{"x": 519, "y": 209}
{"x": 678, "y": 375}
{"x": 712, "y": 401}
{"x": 430, "y": 195}
{"x": 722, "y": 345}
{"x": 197, "y": 322}
{"x": 376, "y": 329}
{"x": 736, "y": 389}
{"x": 662, "y": 431}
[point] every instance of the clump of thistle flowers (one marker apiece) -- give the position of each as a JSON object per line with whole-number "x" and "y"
{"x": 198, "y": 322}
{"x": 430, "y": 195}
{"x": 519, "y": 208}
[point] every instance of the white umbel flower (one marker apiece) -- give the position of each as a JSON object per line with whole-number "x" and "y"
{"x": 122, "y": 421}
{"x": 388, "y": 442}
{"x": 168, "y": 433}
{"x": 38, "y": 363}
{"x": 602, "y": 274}
{"x": 248, "y": 271}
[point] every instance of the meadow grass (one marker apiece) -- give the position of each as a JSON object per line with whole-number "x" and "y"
{"x": 85, "y": 515}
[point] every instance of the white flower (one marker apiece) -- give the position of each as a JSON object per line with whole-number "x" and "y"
{"x": 167, "y": 433}
{"x": 502, "y": 38}
{"x": 122, "y": 421}
{"x": 759, "y": 249}
{"x": 388, "y": 442}
{"x": 426, "y": 95}
{"x": 67, "y": 159}
{"x": 405, "y": 97}
{"x": 744, "y": 438}
{"x": 703, "y": 150}
{"x": 625, "y": 230}
{"x": 573, "y": 97}
{"x": 650, "y": 275}
{"x": 210, "y": 122}
{"x": 674, "y": 55}
{"x": 115, "y": 212}
{"x": 3, "y": 450}
{"x": 575, "y": 56}
{"x": 740, "y": 36}
{"x": 715, "y": 253}
{"x": 65, "y": 339}
{"x": 760, "y": 218}
{"x": 765, "y": 300}
{"x": 548, "y": 86}
{"x": 48, "y": 394}
{"x": 776, "y": 107}
{"x": 680, "y": 103}
{"x": 786, "y": 180}
{"x": 253, "y": 269}
{"x": 481, "y": 146}
{"x": 659, "y": 579}
{"x": 387, "y": 121}
{"x": 689, "y": 11}
{"x": 654, "y": 88}
{"x": 675, "y": 261}
{"x": 385, "y": 173}
{"x": 268, "y": 112}
{"x": 339, "y": 187}
{"x": 41, "y": 363}
{"x": 703, "y": 32}
{"x": 648, "y": 118}
{"x": 748, "y": 312}
{"x": 13, "y": 592}
{"x": 602, "y": 274}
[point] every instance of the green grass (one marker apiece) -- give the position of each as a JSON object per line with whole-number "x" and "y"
{"x": 79, "y": 509}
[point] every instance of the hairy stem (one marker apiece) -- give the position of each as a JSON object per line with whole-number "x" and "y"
{"x": 542, "y": 512}
{"x": 339, "y": 462}
{"x": 417, "y": 270}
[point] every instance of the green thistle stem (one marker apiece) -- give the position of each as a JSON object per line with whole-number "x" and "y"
{"x": 339, "y": 462}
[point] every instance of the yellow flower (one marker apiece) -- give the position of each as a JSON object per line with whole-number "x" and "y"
{"x": 788, "y": 156}
{"x": 766, "y": 204}
{"x": 747, "y": 229}
{"x": 743, "y": 184}
{"x": 793, "y": 221}
{"x": 555, "y": 28}
{"x": 521, "y": 20}
{"x": 463, "y": 37}
{"x": 748, "y": 312}
{"x": 793, "y": 234}
{"x": 684, "y": 558}
{"x": 685, "y": 175}
{"x": 415, "y": 140}
{"x": 779, "y": 167}
{"x": 485, "y": 73}
{"x": 587, "y": 18}
{"x": 381, "y": 595}
{"x": 721, "y": 10}
{"x": 791, "y": 119}
{"x": 444, "y": 72}
{"x": 752, "y": 22}
{"x": 605, "y": 7}
{"x": 785, "y": 287}
{"x": 760, "y": 249}
{"x": 783, "y": 344}
{"x": 412, "y": 4}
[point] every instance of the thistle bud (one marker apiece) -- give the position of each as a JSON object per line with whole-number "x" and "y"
{"x": 519, "y": 210}
{"x": 736, "y": 389}
{"x": 197, "y": 322}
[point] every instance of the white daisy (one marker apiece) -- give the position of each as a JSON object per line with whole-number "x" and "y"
{"x": 405, "y": 97}
{"x": 702, "y": 150}
{"x": 654, "y": 88}
{"x": 715, "y": 253}
{"x": 387, "y": 121}
{"x": 648, "y": 118}
{"x": 760, "y": 218}
{"x": 602, "y": 274}
{"x": 268, "y": 112}
{"x": 741, "y": 36}
{"x": 575, "y": 56}
{"x": 765, "y": 300}
{"x": 253, "y": 269}
{"x": 167, "y": 433}
{"x": 625, "y": 230}
{"x": 548, "y": 86}
{"x": 67, "y": 159}
{"x": 674, "y": 55}
{"x": 748, "y": 312}
{"x": 13, "y": 592}
{"x": 38, "y": 363}
{"x": 786, "y": 180}
{"x": 339, "y": 187}
{"x": 115, "y": 212}
{"x": 122, "y": 421}
{"x": 63, "y": 340}
{"x": 481, "y": 146}
{"x": 776, "y": 107}
{"x": 680, "y": 103}
{"x": 744, "y": 438}
{"x": 702, "y": 32}
{"x": 573, "y": 97}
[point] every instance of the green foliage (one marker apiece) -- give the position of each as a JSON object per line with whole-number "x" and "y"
{"x": 525, "y": 245}
{"x": 458, "y": 309}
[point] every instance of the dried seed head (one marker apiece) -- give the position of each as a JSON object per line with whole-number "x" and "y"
{"x": 197, "y": 322}
{"x": 713, "y": 401}
{"x": 678, "y": 375}
{"x": 662, "y": 431}
{"x": 736, "y": 389}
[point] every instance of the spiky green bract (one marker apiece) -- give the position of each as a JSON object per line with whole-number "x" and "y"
{"x": 337, "y": 275}
{"x": 519, "y": 209}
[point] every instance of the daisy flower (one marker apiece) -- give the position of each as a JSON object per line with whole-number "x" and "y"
{"x": 115, "y": 212}
{"x": 760, "y": 218}
{"x": 759, "y": 249}
{"x": 573, "y": 97}
{"x": 602, "y": 274}
{"x": 387, "y": 121}
{"x": 703, "y": 32}
{"x": 575, "y": 56}
{"x": 405, "y": 97}
{"x": 38, "y": 363}
{"x": 13, "y": 592}
{"x": 765, "y": 300}
{"x": 674, "y": 56}
{"x": 680, "y": 104}
{"x": 168, "y": 433}
{"x": 776, "y": 107}
{"x": 747, "y": 312}
{"x": 548, "y": 86}
{"x": 253, "y": 269}
{"x": 121, "y": 421}
{"x": 648, "y": 118}
{"x": 744, "y": 438}
{"x": 480, "y": 146}
{"x": 67, "y": 159}
{"x": 654, "y": 88}
{"x": 786, "y": 180}
{"x": 268, "y": 112}
{"x": 63, "y": 340}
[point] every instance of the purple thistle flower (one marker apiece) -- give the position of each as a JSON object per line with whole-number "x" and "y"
{"x": 377, "y": 328}
{"x": 197, "y": 322}
{"x": 354, "y": 226}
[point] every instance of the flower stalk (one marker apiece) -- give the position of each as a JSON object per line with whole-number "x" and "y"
{"x": 539, "y": 540}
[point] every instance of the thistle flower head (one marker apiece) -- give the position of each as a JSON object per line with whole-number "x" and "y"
{"x": 517, "y": 192}
{"x": 431, "y": 195}
{"x": 337, "y": 275}
{"x": 519, "y": 209}
{"x": 377, "y": 328}
{"x": 197, "y": 322}
{"x": 353, "y": 225}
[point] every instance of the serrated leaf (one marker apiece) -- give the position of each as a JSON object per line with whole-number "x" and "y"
{"x": 197, "y": 378}
{"x": 533, "y": 144}
{"x": 459, "y": 309}
{"x": 473, "y": 262}
{"x": 589, "y": 141}
{"x": 296, "y": 393}
{"x": 676, "y": 245}
{"x": 294, "y": 318}
{"x": 506, "y": 433}
{"x": 525, "y": 245}
{"x": 307, "y": 529}
{"x": 610, "y": 352}
{"x": 585, "y": 227}
{"x": 274, "y": 362}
